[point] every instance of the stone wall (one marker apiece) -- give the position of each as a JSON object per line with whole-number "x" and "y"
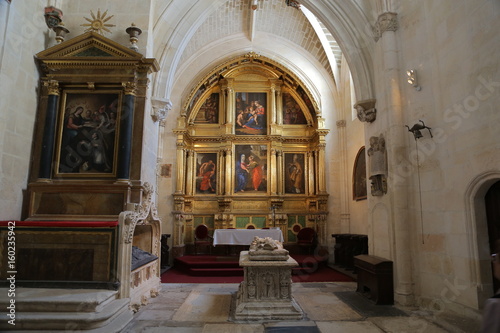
{"x": 18, "y": 101}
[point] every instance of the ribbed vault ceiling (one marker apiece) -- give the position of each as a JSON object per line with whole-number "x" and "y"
{"x": 272, "y": 17}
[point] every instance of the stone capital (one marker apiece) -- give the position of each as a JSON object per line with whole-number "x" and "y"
{"x": 366, "y": 111}
{"x": 130, "y": 88}
{"x": 52, "y": 87}
{"x": 160, "y": 108}
{"x": 386, "y": 22}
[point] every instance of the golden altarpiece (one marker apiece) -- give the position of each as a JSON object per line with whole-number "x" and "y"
{"x": 250, "y": 153}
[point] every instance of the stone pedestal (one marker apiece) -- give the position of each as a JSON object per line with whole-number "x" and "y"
{"x": 266, "y": 291}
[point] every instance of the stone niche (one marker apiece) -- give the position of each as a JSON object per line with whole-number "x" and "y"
{"x": 266, "y": 291}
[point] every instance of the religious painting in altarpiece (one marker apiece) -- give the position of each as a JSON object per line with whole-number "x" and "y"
{"x": 251, "y": 143}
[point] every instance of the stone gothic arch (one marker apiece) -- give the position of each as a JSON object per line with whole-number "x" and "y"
{"x": 477, "y": 232}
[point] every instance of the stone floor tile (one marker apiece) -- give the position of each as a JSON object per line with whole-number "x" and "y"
{"x": 155, "y": 315}
{"x": 348, "y": 327}
{"x": 321, "y": 306}
{"x": 406, "y": 325}
{"x": 170, "y": 329}
{"x": 302, "y": 326}
{"x": 204, "y": 307}
{"x": 233, "y": 328}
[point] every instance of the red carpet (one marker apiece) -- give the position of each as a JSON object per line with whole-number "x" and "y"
{"x": 219, "y": 269}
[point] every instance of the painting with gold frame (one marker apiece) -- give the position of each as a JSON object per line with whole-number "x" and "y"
{"x": 206, "y": 173}
{"x": 294, "y": 173}
{"x": 250, "y": 168}
{"x": 251, "y": 115}
{"x": 88, "y": 133}
{"x": 209, "y": 110}
{"x": 292, "y": 112}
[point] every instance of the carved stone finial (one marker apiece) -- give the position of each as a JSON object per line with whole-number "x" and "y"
{"x": 385, "y": 22}
{"x": 366, "y": 110}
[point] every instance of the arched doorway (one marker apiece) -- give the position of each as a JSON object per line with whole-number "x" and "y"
{"x": 492, "y": 205}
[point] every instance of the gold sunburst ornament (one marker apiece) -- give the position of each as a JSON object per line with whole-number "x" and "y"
{"x": 98, "y": 23}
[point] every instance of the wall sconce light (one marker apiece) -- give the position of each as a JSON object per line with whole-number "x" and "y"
{"x": 415, "y": 130}
{"x": 412, "y": 79}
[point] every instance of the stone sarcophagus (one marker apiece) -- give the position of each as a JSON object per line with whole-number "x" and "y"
{"x": 266, "y": 291}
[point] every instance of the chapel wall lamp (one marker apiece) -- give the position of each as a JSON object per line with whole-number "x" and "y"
{"x": 412, "y": 79}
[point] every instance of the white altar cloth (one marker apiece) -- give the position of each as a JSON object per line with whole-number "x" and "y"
{"x": 244, "y": 236}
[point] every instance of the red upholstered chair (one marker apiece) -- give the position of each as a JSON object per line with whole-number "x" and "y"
{"x": 265, "y": 228}
{"x": 250, "y": 226}
{"x": 306, "y": 238}
{"x": 202, "y": 238}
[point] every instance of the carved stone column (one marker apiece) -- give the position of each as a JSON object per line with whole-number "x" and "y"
{"x": 126, "y": 122}
{"x": 385, "y": 33}
{"x": 345, "y": 187}
{"x": 49, "y": 131}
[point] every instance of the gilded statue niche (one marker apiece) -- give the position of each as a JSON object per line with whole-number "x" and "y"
{"x": 250, "y": 135}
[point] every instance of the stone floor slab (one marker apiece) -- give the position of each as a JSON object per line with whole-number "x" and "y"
{"x": 291, "y": 327}
{"x": 204, "y": 307}
{"x": 233, "y": 328}
{"x": 165, "y": 329}
{"x": 155, "y": 315}
{"x": 321, "y": 306}
{"x": 406, "y": 325}
{"x": 366, "y": 307}
{"x": 348, "y": 327}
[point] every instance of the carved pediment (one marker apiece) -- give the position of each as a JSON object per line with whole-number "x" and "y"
{"x": 88, "y": 41}
{"x": 92, "y": 50}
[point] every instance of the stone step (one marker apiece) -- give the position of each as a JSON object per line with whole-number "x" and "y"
{"x": 69, "y": 310}
{"x": 56, "y": 300}
{"x": 116, "y": 314}
{"x": 215, "y": 271}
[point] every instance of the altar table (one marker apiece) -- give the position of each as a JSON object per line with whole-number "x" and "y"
{"x": 244, "y": 236}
